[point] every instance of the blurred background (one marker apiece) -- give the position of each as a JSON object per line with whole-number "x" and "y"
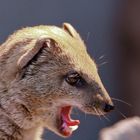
{"x": 111, "y": 31}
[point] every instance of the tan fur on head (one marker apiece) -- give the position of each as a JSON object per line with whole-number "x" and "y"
{"x": 34, "y": 65}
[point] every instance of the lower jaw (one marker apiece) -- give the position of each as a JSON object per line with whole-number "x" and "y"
{"x": 68, "y": 130}
{"x": 66, "y": 133}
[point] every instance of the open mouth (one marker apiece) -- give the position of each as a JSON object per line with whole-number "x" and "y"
{"x": 67, "y": 125}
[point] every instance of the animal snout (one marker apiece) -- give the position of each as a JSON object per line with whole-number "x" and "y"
{"x": 108, "y": 107}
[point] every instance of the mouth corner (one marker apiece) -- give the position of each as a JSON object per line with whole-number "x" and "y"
{"x": 66, "y": 125}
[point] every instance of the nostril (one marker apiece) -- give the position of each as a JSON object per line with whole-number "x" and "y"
{"x": 108, "y": 108}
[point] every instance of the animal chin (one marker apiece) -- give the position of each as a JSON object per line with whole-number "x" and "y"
{"x": 66, "y": 125}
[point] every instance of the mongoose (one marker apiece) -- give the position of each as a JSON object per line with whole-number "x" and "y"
{"x": 45, "y": 71}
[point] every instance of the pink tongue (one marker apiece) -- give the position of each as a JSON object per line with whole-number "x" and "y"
{"x": 67, "y": 121}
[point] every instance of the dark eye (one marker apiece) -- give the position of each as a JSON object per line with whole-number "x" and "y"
{"x": 74, "y": 79}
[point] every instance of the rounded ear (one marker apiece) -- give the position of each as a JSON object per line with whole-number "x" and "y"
{"x": 34, "y": 48}
{"x": 70, "y": 29}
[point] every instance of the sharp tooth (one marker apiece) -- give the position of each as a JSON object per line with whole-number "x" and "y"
{"x": 73, "y": 128}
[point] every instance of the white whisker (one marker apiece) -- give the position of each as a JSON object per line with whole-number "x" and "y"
{"x": 88, "y": 35}
{"x": 104, "y": 116}
{"x": 122, "y": 114}
{"x": 115, "y": 99}
{"x": 97, "y": 113}
{"x": 101, "y": 57}
{"x": 104, "y": 63}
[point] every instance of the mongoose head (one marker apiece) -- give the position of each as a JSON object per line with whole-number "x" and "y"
{"x": 44, "y": 72}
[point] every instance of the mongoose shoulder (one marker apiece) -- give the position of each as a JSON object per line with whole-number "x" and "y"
{"x": 45, "y": 71}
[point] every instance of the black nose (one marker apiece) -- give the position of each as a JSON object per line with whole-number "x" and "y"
{"x": 108, "y": 108}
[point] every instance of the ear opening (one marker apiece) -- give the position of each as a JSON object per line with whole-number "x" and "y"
{"x": 34, "y": 49}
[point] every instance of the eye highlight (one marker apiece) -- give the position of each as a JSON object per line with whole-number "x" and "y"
{"x": 74, "y": 79}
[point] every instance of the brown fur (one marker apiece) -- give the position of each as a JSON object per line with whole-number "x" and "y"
{"x": 32, "y": 85}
